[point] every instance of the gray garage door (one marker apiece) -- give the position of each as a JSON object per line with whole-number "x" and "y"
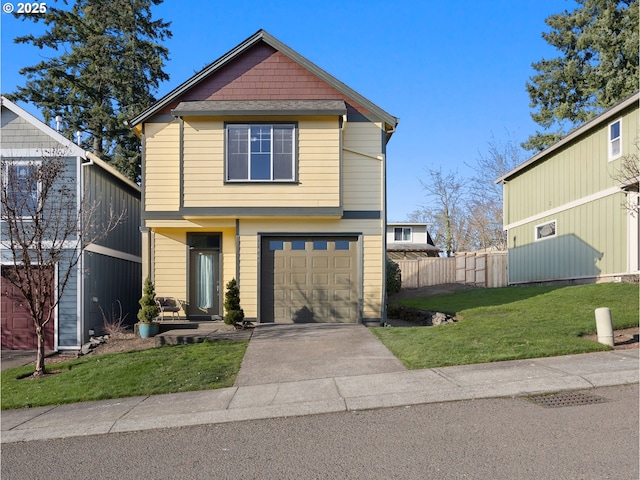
{"x": 309, "y": 279}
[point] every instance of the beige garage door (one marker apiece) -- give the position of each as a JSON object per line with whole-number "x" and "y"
{"x": 309, "y": 279}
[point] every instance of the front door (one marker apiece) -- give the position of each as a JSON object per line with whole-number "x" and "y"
{"x": 204, "y": 284}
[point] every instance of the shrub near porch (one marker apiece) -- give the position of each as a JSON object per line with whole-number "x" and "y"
{"x": 510, "y": 323}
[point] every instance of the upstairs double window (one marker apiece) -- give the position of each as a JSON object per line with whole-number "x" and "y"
{"x": 260, "y": 153}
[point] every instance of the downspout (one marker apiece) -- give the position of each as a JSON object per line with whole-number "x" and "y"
{"x": 81, "y": 310}
{"x": 386, "y": 136}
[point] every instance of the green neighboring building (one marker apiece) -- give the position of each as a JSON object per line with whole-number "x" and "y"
{"x": 568, "y": 213}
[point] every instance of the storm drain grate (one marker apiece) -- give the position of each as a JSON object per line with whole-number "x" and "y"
{"x": 567, "y": 399}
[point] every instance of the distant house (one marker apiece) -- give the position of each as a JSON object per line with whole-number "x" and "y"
{"x": 566, "y": 210}
{"x": 109, "y": 271}
{"x": 265, "y": 168}
{"x": 411, "y": 240}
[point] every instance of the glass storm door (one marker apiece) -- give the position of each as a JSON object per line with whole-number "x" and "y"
{"x": 204, "y": 284}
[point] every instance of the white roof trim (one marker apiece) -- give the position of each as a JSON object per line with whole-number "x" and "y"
{"x": 74, "y": 149}
{"x": 593, "y": 123}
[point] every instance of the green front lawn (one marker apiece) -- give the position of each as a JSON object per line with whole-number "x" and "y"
{"x": 167, "y": 369}
{"x": 511, "y": 323}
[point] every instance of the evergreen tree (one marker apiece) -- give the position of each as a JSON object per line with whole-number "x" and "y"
{"x": 233, "y": 313}
{"x": 149, "y": 309}
{"x": 597, "y": 68}
{"x": 109, "y": 63}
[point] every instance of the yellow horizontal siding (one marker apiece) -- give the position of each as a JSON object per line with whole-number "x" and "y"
{"x": 318, "y": 169}
{"x": 362, "y": 168}
{"x": 170, "y": 260}
{"x": 362, "y": 185}
{"x": 249, "y": 274}
{"x": 365, "y": 137}
{"x": 161, "y": 169}
{"x": 372, "y": 276}
{"x": 171, "y": 256}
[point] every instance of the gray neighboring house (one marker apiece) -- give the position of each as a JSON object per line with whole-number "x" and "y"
{"x": 109, "y": 271}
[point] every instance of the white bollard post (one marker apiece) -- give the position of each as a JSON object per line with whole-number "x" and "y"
{"x": 604, "y": 326}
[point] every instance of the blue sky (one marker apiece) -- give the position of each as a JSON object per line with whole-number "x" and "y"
{"x": 453, "y": 72}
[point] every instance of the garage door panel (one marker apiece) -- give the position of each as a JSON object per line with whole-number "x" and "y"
{"x": 18, "y": 329}
{"x": 320, "y": 296}
{"x": 309, "y": 279}
{"x": 342, "y": 263}
{"x": 298, "y": 280}
{"x": 320, "y": 262}
{"x": 298, "y": 263}
{"x": 320, "y": 280}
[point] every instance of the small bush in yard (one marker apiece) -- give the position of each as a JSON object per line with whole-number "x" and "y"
{"x": 114, "y": 325}
{"x": 394, "y": 277}
{"x": 233, "y": 313}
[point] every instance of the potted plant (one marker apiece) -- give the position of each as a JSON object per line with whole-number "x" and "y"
{"x": 149, "y": 311}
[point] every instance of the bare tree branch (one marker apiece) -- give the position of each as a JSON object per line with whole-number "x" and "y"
{"x": 45, "y": 228}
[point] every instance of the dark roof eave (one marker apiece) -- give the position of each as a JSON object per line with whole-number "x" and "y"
{"x": 260, "y": 108}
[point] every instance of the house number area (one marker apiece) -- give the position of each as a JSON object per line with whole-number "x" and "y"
{"x": 25, "y": 8}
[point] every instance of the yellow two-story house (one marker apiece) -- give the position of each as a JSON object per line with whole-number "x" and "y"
{"x": 264, "y": 168}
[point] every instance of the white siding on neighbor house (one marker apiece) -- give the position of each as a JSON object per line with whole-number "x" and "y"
{"x": 418, "y": 234}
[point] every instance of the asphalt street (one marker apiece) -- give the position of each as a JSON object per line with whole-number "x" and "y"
{"x": 501, "y": 438}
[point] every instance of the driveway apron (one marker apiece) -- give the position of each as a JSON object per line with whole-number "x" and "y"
{"x": 293, "y": 352}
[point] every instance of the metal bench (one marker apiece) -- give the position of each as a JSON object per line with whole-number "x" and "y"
{"x": 168, "y": 304}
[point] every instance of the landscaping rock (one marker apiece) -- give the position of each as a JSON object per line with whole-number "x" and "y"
{"x": 399, "y": 315}
{"x": 92, "y": 343}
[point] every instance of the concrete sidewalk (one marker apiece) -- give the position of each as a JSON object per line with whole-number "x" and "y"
{"x": 324, "y": 395}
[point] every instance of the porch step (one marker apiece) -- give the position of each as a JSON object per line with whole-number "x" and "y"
{"x": 181, "y": 333}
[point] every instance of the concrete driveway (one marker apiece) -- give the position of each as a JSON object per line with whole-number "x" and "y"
{"x": 293, "y": 352}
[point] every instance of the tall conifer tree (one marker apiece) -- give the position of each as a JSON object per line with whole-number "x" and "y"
{"x": 597, "y": 67}
{"x": 104, "y": 62}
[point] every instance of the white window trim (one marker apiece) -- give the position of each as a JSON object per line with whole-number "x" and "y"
{"x": 271, "y": 180}
{"x": 611, "y": 156}
{"x": 535, "y": 230}
{"x": 31, "y": 164}
{"x": 402, "y": 240}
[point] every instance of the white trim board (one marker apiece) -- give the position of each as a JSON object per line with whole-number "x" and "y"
{"x": 110, "y": 252}
{"x": 566, "y": 206}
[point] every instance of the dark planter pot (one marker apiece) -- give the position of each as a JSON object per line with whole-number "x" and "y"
{"x": 148, "y": 330}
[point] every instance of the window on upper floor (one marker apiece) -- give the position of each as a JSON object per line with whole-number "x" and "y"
{"x": 615, "y": 139}
{"x": 260, "y": 153}
{"x": 402, "y": 234}
{"x": 546, "y": 230}
{"x": 22, "y": 188}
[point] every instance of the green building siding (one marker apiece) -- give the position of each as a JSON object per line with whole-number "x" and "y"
{"x": 589, "y": 242}
{"x": 576, "y": 186}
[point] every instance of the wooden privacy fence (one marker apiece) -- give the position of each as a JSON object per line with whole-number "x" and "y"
{"x": 482, "y": 269}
